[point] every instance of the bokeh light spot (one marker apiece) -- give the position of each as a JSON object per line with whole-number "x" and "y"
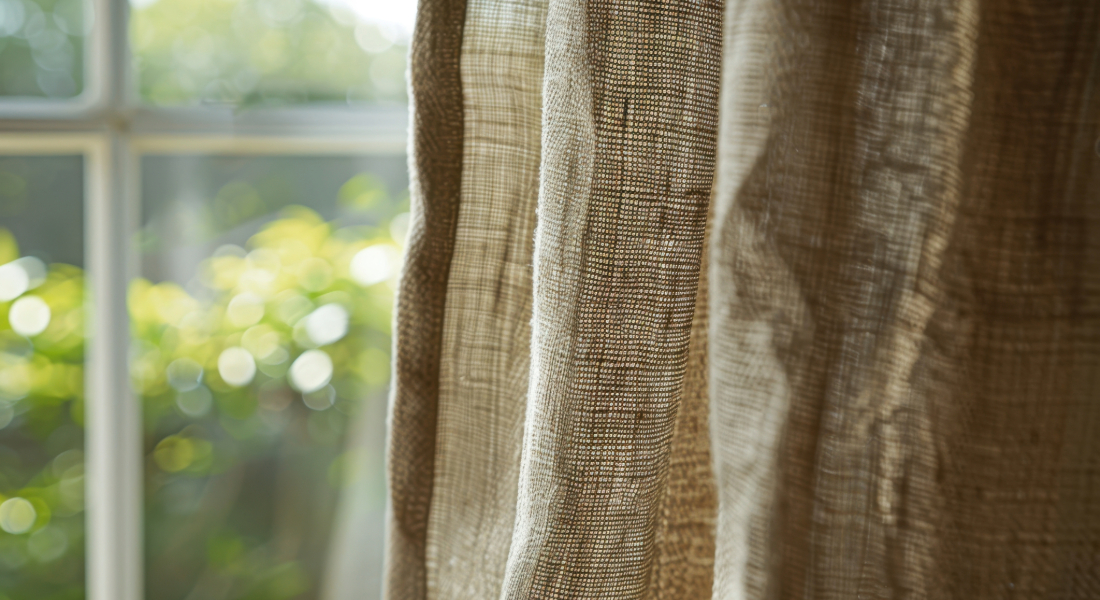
{"x": 15, "y": 376}
{"x": 71, "y": 488}
{"x": 311, "y": 371}
{"x": 174, "y": 453}
{"x": 29, "y": 316}
{"x": 314, "y": 274}
{"x": 274, "y": 396}
{"x": 48, "y": 544}
{"x": 184, "y": 374}
{"x": 320, "y": 399}
{"x": 12, "y": 15}
{"x": 327, "y": 324}
{"x": 294, "y": 307}
{"x": 245, "y": 310}
{"x": 195, "y": 402}
{"x": 262, "y": 341}
{"x": 17, "y": 515}
{"x": 13, "y": 281}
{"x": 236, "y": 366}
{"x": 373, "y": 264}
{"x": 370, "y": 38}
{"x": 34, "y": 268}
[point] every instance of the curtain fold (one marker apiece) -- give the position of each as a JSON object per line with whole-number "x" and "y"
{"x": 630, "y": 103}
{"x": 487, "y": 321}
{"x": 435, "y": 185}
{"x": 750, "y": 299}
{"x": 684, "y": 544}
{"x": 835, "y": 205}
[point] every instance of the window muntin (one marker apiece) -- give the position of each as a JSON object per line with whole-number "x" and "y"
{"x": 109, "y": 123}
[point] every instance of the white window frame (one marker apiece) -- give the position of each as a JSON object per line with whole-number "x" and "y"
{"x": 109, "y": 126}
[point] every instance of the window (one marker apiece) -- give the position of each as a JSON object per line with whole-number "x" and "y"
{"x": 202, "y": 204}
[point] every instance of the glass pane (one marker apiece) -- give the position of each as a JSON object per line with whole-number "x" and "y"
{"x": 41, "y": 377}
{"x": 261, "y": 351}
{"x": 270, "y": 52}
{"x": 42, "y": 47}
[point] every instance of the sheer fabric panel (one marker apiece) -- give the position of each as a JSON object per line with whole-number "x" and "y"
{"x": 487, "y": 320}
{"x": 435, "y": 185}
{"x": 756, "y": 299}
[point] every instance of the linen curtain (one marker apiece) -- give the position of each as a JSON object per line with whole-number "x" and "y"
{"x": 749, "y": 299}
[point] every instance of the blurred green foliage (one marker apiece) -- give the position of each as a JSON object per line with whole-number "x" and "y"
{"x": 42, "y": 47}
{"x": 185, "y": 52}
{"x": 263, "y": 52}
{"x": 247, "y": 389}
{"x": 241, "y": 453}
{"x": 41, "y": 459}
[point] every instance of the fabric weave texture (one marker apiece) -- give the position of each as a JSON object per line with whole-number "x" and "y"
{"x": 753, "y": 299}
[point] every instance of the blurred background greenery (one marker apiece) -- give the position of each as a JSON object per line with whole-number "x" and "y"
{"x": 264, "y": 52}
{"x": 260, "y": 329}
{"x": 237, "y": 52}
{"x": 42, "y": 47}
{"x": 260, "y": 317}
{"x": 41, "y": 378}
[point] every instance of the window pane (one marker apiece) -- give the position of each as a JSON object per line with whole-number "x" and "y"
{"x": 261, "y": 343}
{"x": 42, "y": 47}
{"x": 270, "y": 52}
{"x": 41, "y": 377}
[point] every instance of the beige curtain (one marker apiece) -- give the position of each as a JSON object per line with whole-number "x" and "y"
{"x": 769, "y": 299}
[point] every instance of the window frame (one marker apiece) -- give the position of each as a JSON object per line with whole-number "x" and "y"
{"x": 113, "y": 130}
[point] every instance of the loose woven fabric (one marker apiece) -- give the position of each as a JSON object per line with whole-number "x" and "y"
{"x": 435, "y": 165}
{"x": 683, "y": 564}
{"x": 900, "y": 370}
{"x": 881, "y": 379}
{"x": 630, "y": 107}
{"x": 487, "y": 323}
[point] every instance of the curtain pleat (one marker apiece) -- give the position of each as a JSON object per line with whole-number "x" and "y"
{"x": 839, "y": 186}
{"x": 487, "y": 322}
{"x": 756, "y": 299}
{"x": 435, "y": 184}
{"x": 683, "y": 563}
{"x": 630, "y": 105}
{"x": 894, "y": 356}
{"x": 754, "y": 307}
{"x": 1017, "y": 363}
